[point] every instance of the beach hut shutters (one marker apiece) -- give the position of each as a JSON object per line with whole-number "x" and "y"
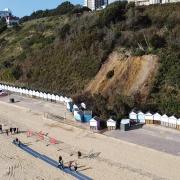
{"x": 148, "y": 118}
{"x": 157, "y": 118}
{"x": 111, "y": 124}
{"x": 164, "y": 120}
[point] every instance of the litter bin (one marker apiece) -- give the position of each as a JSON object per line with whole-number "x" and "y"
{"x": 11, "y": 100}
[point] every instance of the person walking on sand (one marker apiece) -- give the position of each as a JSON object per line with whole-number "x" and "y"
{"x": 75, "y": 166}
{"x": 61, "y": 165}
{"x": 10, "y": 130}
{"x": 70, "y": 165}
{"x": 14, "y": 130}
{"x": 7, "y": 132}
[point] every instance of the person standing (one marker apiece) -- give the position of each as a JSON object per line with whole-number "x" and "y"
{"x": 7, "y": 132}
{"x": 61, "y": 165}
{"x": 75, "y": 166}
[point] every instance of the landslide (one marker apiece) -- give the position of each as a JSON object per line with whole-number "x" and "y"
{"x": 131, "y": 75}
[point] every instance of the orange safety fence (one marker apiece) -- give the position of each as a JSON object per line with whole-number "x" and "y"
{"x": 53, "y": 141}
{"x": 29, "y": 133}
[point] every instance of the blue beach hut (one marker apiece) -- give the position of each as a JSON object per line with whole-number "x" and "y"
{"x": 87, "y": 116}
{"x": 79, "y": 116}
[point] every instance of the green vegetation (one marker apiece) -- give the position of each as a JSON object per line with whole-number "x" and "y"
{"x": 61, "y": 50}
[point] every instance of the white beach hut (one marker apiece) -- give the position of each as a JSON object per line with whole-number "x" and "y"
{"x": 141, "y": 117}
{"x": 26, "y": 92}
{"x": 5, "y": 87}
{"x": 49, "y": 97}
{"x": 41, "y": 95}
{"x": 23, "y": 91}
{"x": 133, "y": 116}
{"x": 61, "y": 99}
{"x": 111, "y": 124}
{"x": 53, "y": 97}
{"x": 164, "y": 120}
{"x": 45, "y": 96}
{"x": 20, "y": 90}
{"x": 37, "y": 94}
{"x": 93, "y": 124}
{"x": 157, "y": 118}
{"x": 34, "y": 93}
{"x": 57, "y": 98}
{"x": 148, "y": 118}
{"x": 83, "y": 105}
{"x": 172, "y": 121}
{"x": 30, "y": 93}
{"x": 178, "y": 124}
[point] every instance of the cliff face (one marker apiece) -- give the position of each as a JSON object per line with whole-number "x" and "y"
{"x": 132, "y": 75}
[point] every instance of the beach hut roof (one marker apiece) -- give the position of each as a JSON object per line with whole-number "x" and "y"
{"x": 111, "y": 120}
{"x": 156, "y": 114}
{"x": 125, "y": 121}
{"x": 164, "y": 116}
{"x": 140, "y": 112}
{"x": 96, "y": 118}
{"x": 148, "y": 114}
{"x": 132, "y": 112}
{"x": 172, "y": 117}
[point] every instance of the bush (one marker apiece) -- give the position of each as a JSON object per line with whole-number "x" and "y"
{"x": 110, "y": 74}
{"x": 157, "y": 41}
{"x": 17, "y": 72}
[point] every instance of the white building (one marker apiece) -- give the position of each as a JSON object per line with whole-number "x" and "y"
{"x": 95, "y": 4}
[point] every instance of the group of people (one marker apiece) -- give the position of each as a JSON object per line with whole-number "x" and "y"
{"x": 11, "y": 130}
{"x": 71, "y": 164}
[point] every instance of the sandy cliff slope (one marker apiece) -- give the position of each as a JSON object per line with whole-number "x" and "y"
{"x": 131, "y": 75}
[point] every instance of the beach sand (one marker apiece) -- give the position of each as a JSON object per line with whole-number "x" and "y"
{"x": 103, "y": 157}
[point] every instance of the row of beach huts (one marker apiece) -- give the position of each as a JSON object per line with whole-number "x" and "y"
{"x": 81, "y": 113}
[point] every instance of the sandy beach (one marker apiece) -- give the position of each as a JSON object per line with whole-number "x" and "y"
{"x": 103, "y": 157}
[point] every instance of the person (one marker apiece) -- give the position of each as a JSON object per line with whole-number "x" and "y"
{"x": 60, "y": 162}
{"x": 7, "y": 132}
{"x": 17, "y": 130}
{"x": 79, "y": 154}
{"x": 75, "y": 166}
{"x": 70, "y": 165}
{"x": 14, "y": 130}
{"x": 1, "y": 128}
{"x": 10, "y": 130}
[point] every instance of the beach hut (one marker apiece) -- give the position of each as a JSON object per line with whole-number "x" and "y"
{"x": 69, "y": 106}
{"x": 83, "y": 105}
{"x": 157, "y": 118}
{"x": 57, "y": 98}
{"x": 61, "y": 99}
{"x": 141, "y": 117}
{"x": 23, "y": 91}
{"x": 97, "y": 124}
{"x": 45, "y": 96}
{"x": 26, "y": 92}
{"x": 178, "y": 124}
{"x": 79, "y": 116}
{"x": 49, "y": 97}
{"x": 87, "y": 116}
{"x": 53, "y": 97}
{"x": 5, "y": 87}
{"x": 111, "y": 124}
{"x": 164, "y": 120}
{"x": 148, "y": 118}
{"x": 125, "y": 124}
{"x": 172, "y": 121}
{"x": 30, "y": 93}
{"x": 75, "y": 107}
{"x": 41, "y": 95}
{"x": 133, "y": 116}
